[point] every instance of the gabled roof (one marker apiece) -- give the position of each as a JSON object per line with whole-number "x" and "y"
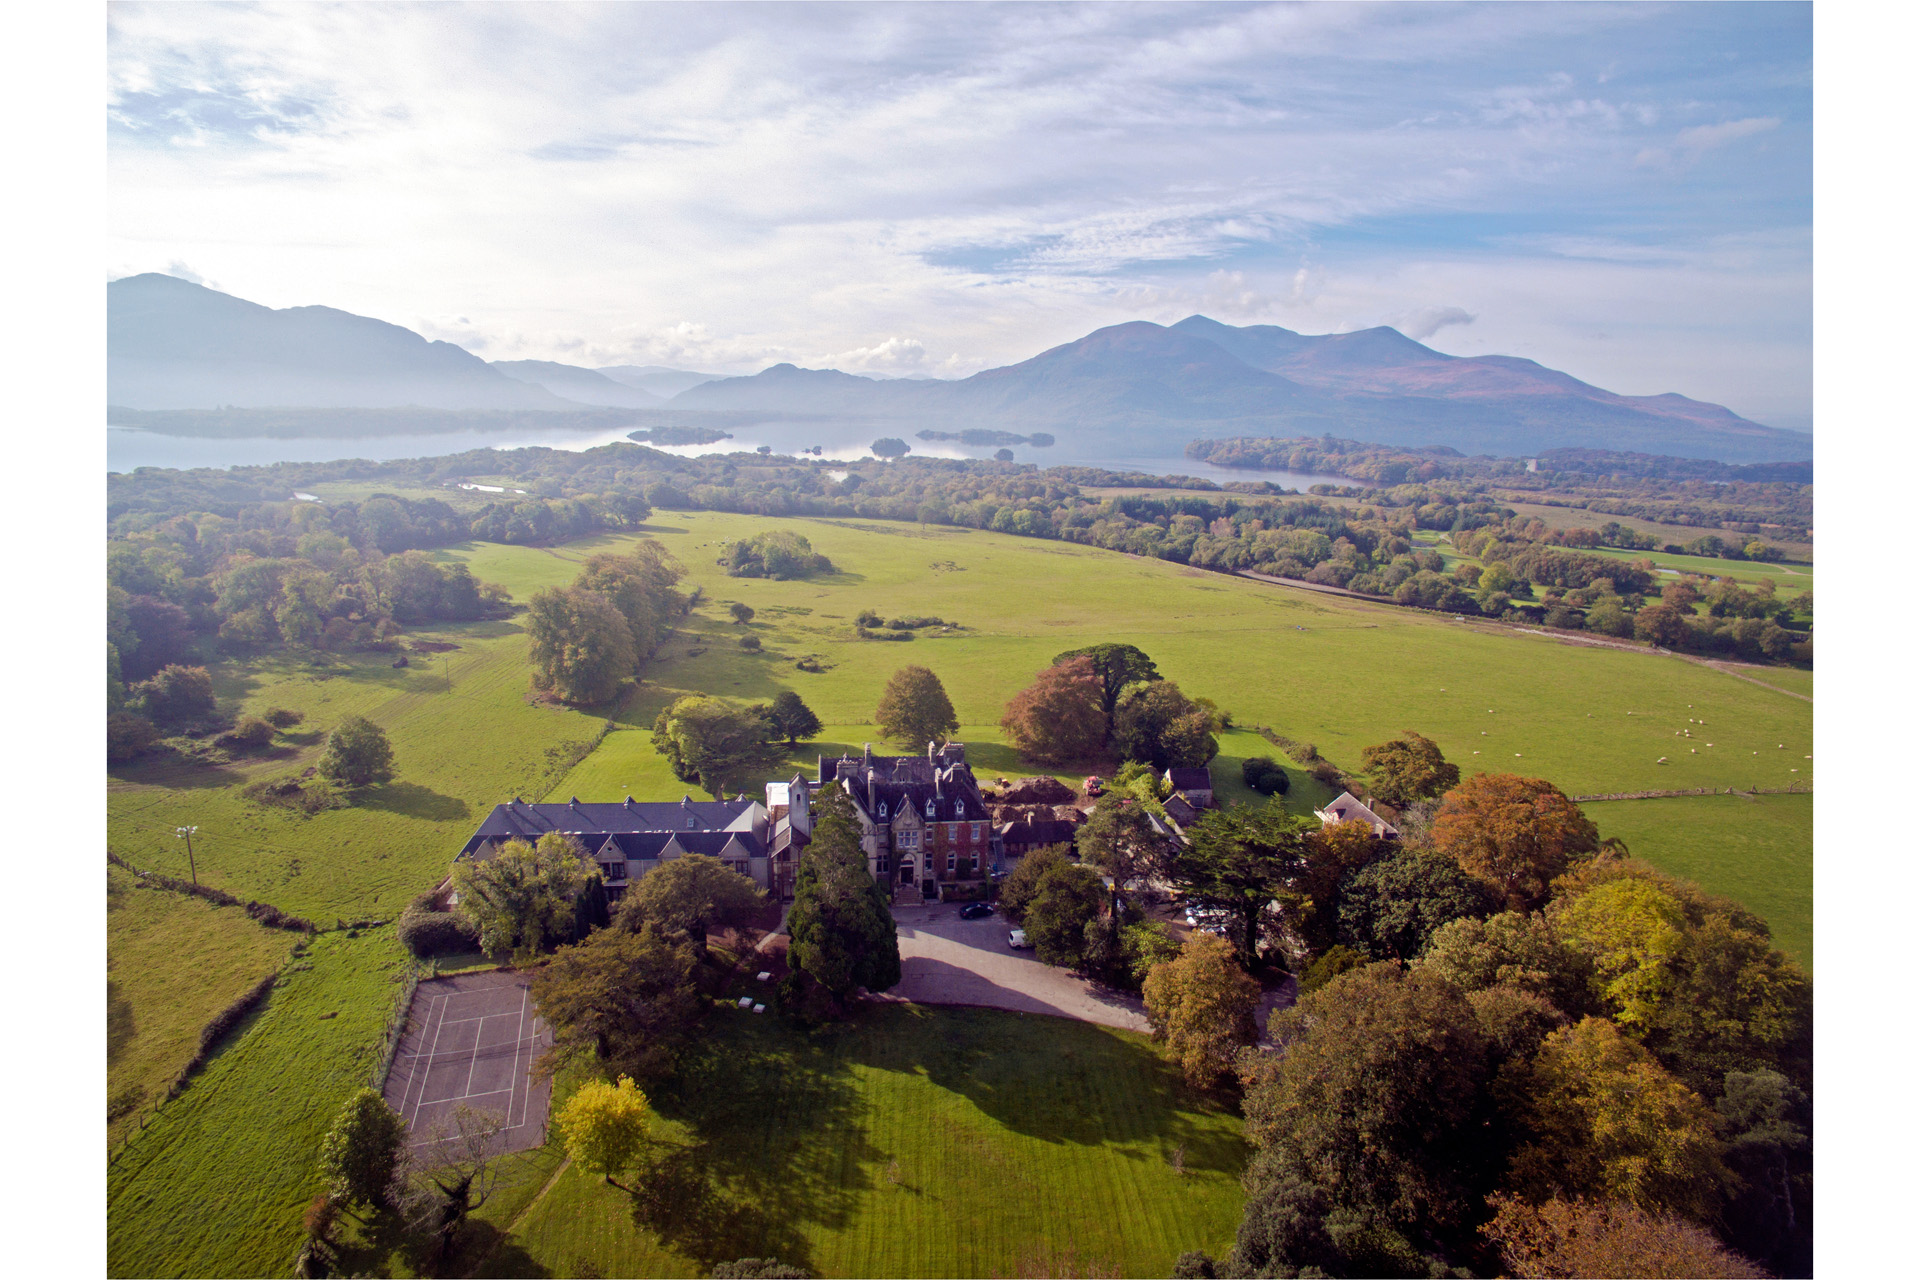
{"x": 1347, "y": 808}
{"x": 592, "y": 823}
{"x": 1036, "y": 831}
{"x": 1180, "y": 811}
{"x": 1190, "y": 779}
{"x": 938, "y": 787}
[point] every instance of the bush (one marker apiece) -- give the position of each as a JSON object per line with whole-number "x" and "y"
{"x": 250, "y": 734}
{"x": 176, "y": 693}
{"x": 750, "y": 643}
{"x": 428, "y": 933}
{"x": 1265, "y": 775}
{"x": 281, "y": 718}
{"x": 867, "y": 618}
{"x": 129, "y": 737}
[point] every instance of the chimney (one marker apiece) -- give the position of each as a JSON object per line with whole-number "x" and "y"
{"x": 933, "y": 753}
{"x": 686, "y": 801}
{"x": 866, "y": 755}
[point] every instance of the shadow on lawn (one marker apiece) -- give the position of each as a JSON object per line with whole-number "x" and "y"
{"x": 411, "y": 800}
{"x": 1035, "y": 1074}
{"x": 778, "y": 1145}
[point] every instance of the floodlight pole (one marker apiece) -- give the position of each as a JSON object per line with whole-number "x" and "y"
{"x": 186, "y": 833}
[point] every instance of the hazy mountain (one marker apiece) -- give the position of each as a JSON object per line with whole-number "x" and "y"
{"x": 657, "y": 378}
{"x": 175, "y": 345}
{"x": 586, "y": 386}
{"x": 1140, "y": 384}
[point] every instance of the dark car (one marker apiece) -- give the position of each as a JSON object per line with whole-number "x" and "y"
{"x": 976, "y": 911}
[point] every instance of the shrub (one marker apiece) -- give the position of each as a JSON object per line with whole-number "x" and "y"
{"x": 867, "y": 618}
{"x": 250, "y": 734}
{"x": 1265, "y": 775}
{"x": 750, "y": 643}
{"x": 176, "y": 693}
{"x": 281, "y": 718}
{"x": 129, "y": 737}
{"x": 427, "y": 933}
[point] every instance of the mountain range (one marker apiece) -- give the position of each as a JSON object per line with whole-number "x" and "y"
{"x": 1131, "y": 387}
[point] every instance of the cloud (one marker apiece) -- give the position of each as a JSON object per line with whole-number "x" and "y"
{"x": 1690, "y": 144}
{"x": 181, "y": 271}
{"x": 894, "y": 356}
{"x": 1423, "y": 324}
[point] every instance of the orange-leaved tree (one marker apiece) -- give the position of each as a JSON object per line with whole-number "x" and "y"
{"x": 1514, "y": 833}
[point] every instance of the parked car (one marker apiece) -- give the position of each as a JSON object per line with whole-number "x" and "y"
{"x": 1017, "y": 939}
{"x": 1094, "y": 786}
{"x": 976, "y": 911}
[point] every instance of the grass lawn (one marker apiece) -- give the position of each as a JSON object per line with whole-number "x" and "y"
{"x": 910, "y": 1142}
{"x": 1789, "y": 579}
{"x": 173, "y": 962}
{"x": 216, "y": 1183}
{"x": 1756, "y": 851}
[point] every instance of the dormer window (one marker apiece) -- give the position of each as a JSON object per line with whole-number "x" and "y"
{"x": 691, "y": 824}
{"x": 883, "y": 808}
{"x": 929, "y": 808}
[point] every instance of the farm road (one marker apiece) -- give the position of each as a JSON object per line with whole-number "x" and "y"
{"x": 947, "y": 960}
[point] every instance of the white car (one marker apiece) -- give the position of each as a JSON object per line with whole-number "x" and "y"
{"x": 1017, "y": 939}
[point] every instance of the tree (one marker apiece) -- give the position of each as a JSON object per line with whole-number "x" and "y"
{"x": 458, "y": 1176}
{"x": 891, "y": 447}
{"x": 1332, "y": 855}
{"x": 1604, "y": 1119}
{"x": 1512, "y": 949}
{"x": 128, "y": 737}
{"x": 357, "y": 754}
{"x": 1144, "y": 945}
{"x": 691, "y": 894}
{"x": 1562, "y": 1238}
{"x": 1265, "y": 775}
{"x": 1119, "y": 838}
{"x": 1410, "y": 769}
{"x": 175, "y": 694}
{"x": 915, "y": 710}
{"x": 1242, "y": 860}
{"x": 1390, "y": 909}
{"x": 1118, "y": 666}
{"x": 1514, "y": 833}
{"x": 1766, "y": 1121}
{"x": 361, "y": 1153}
{"x": 776, "y": 553}
{"x": 741, "y": 613}
{"x": 580, "y": 644}
{"x": 641, "y": 587}
{"x": 620, "y": 997}
{"x": 841, "y": 921}
{"x": 1018, "y": 889}
{"x": 709, "y": 741}
{"x": 1058, "y": 717}
{"x": 789, "y": 718}
{"x": 1366, "y": 1128}
{"x": 1202, "y": 1007}
{"x": 1632, "y": 932}
{"x": 1158, "y": 724}
{"x": 1065, "y": 901}
{"x": 1663, "y": 624}
{"x": 525, "y": 896}
{"x": 606, "y": 1126}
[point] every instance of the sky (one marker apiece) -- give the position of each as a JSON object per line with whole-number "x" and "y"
{"x": 1624, "y": 192}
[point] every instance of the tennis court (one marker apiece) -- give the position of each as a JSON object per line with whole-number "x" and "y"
{"x": 472, "y": 1040}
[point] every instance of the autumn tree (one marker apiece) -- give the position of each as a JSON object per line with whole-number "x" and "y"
{"x": 1119, "y": 838}
{"x": 915, "y": 710}
{"x": 1058, "y": 717}
{"x": 1331, "y": 856}
{"x": 1118, "y": 665}
{"x": 1367, "y": 1130}
{"x": 1065, "y": 901}
{"x": 641, "y": 586}
{"x": 1408, "y": 770}
{"x": 1392, "y": 907}
{"x": 606, "y": 1127}
{"x": 1514, "y": 833}
{"x": 789, "y": 719}
{"x": 692, "y": 895}
{"x": 1605, "y": 1119}
{"x": 357, "y": 754}
{"x": 622, "y": 998}
{"x": 1157, "y": 724}
{"x": 361, "y": 1154}
{"x": 525, "y": 896}
{"x": 1512, "y": 949}
{"x": 1575, "y": 1238}
{"x": 709, "y": 741}
{"x": 1240, "y": 860}
{"x": 1201, "y": 1005}
{"x": 580, "y": 644}
{"x": 841, "y": 921}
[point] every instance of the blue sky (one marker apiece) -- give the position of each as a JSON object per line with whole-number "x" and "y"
{"x": 1624, "y": 192}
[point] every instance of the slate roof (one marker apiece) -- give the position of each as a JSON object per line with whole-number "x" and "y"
{"x": 1347, "y": 808}
{"x": 1190, "y": 779}
{"x": 1036, "y": 832}
{"x": 687, "y": 819}
{"x": 938, "y": 787}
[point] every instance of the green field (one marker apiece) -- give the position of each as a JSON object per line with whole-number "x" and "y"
{"x": 910, "y": 1142}
{"x": 216, "y": 1184}
{"x": 1789, "y": 580}
{"x": 1752, "y": 849}
{"x": 173, "y": 962}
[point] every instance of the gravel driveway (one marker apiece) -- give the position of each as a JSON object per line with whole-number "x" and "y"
{"x": 947, "y": 960}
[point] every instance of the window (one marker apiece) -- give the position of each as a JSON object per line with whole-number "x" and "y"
{"x": 929, "y": 808}
{"x": 953, "y": 831}
{"x": 616, "y": 871}
{"x": 950, "y": 861}
{"x": 976, "y": 831}
{"x": 880, "y": 867}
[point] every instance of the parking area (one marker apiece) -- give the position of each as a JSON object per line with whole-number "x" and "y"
{"x": 947, "y": 960}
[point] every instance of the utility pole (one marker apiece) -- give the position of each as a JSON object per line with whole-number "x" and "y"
{"x": 186, "y": 833}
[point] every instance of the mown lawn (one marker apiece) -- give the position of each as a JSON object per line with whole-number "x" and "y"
{"x": 1755, "y": 850}
{"x": 216, "y": 1182}
{"x": 1789, "y": 579}
{"x": 173, "y": 962}
{"x": 910, "y": 1142}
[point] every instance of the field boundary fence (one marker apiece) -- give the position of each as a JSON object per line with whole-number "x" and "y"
{"x": 396, "y": 1026}
{"x": 1791, "y": 789}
